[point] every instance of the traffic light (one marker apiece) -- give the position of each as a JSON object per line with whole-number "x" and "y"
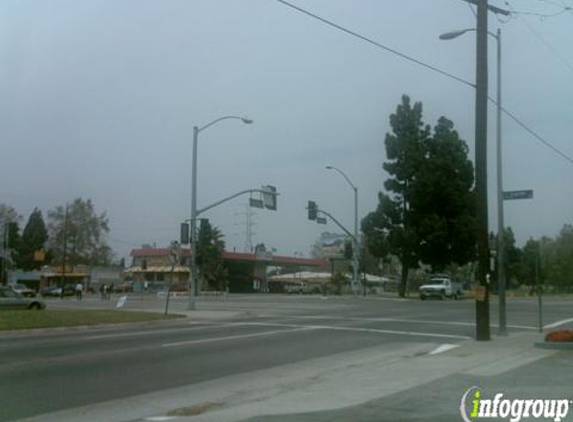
{"x": 312, "y": 210}
{"x": 184, "y": 238}
{"x": 270, "y": 197}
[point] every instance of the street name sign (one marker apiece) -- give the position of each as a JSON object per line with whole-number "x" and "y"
{"x": 518, "y": 194}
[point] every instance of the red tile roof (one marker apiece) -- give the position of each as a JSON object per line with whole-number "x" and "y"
{"x": 234, "y": 256}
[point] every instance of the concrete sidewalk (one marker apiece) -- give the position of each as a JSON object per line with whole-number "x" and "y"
{"x": 332, "y": 383}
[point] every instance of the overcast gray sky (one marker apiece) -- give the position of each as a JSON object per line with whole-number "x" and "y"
{"x": 98, "y": 100}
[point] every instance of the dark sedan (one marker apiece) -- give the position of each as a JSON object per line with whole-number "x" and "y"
{"x": 9, "y": 299}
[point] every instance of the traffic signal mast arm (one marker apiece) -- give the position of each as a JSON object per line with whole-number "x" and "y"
{"x": 262, "y": 191}
{"x": 339, "y": 225}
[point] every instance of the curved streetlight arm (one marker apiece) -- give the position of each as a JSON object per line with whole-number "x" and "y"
{"x": 244, "y": 119}
{"x": 454, "y": 34}
{"x": 343, "y": 175}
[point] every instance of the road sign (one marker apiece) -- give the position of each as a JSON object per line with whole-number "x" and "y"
{"x": 518, "y": 194}
{"x": 256, "y": 203}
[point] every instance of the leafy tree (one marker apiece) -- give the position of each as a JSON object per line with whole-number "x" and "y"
{"x": 82, "y": 230}
{"x": 513, "y": 263}
{"x": 9, "y": 238}
{"x": 531, "y": 260}
{"x": 339, "y": 280}
{"x": 34, "y": 238}
{"x": 368, "y": 262}
{"x": 210, "y": 247}
{"x": 8, "y": 215}
{"x": 556, "y": 259}
{"x": 428, "y": 214}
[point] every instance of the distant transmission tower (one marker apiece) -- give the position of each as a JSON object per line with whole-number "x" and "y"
{"x": 248, "y": 214}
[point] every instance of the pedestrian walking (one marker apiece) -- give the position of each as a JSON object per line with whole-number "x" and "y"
{"x": 79, "y": 291}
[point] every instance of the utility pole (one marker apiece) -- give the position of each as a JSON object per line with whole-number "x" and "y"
{"x": 482, "y": 302}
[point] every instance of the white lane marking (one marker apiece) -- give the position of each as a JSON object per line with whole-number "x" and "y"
{"x": 158, "y": 332}
{"x": 363, "y": 330}
{"x": 465, "y": 324}
{"x": 559, "y": 323}
{"x": 160, "y": 418}
{"x": 443, "y": 348}
{"x": 415, "y": 321}
{"x": 241, "y": 336}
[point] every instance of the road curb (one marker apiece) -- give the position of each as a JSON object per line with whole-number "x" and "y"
{"x": 554, "y": 345}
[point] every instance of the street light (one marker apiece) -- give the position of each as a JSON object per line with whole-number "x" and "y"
{"x": 500, "y": 231}
{"x": 355, "y": 243}
{"x": 192, "y": 261}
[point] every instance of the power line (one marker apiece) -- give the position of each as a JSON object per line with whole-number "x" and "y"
{"x": 551, "y": 2}
{"x": 532, "y": 132}
{"x": 377, "y": 44}
{"x": 123, "y": 242}
{"x": 564, "y": 8}
{"x": 537, "y": 136}
{"x": 544, "y": 41}
{"x": 404, "y": 56}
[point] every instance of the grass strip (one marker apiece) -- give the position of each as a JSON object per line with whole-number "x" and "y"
{"x": 24, "y": 319}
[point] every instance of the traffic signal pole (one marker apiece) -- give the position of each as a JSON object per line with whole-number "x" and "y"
{"x": 313, "y": 213}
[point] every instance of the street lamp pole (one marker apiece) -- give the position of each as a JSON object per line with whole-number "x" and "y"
{"x": 355, "y": 245}
{"x": 500, "y": 223}
{"x": 500, "y": 219}
{"x": 193, "y": 235}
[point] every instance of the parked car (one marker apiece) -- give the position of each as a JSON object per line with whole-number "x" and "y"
{"x": 9, "y": 299}
{"x": 302, "y": 287}
{"x": 23, "y": 290}
{"x": 51, "y": 291}
{"x": 122, "y": 288}
{"x": 56, "y": 291}
{"x": 441, "y": 287}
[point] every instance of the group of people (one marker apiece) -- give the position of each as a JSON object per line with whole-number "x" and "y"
{"x": 105, "y": 291}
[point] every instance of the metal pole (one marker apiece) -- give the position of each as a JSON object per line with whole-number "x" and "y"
{"x": 538, "y": 288}
{"x": 4, "y": 267}
{"x": 63, "y": 280}
{"x": 193, "y": 240}
{"x": 355, "y": 242}
{"x": 500, "y": 222}
{"x": 355, "y": 251}
{"x": 482, "y": 306}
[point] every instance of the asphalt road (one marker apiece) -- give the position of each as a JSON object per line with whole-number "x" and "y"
{"x": 54, "y": 370}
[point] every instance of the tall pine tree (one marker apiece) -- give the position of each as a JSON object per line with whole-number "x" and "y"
{"x": 427, "y": 214}
{"x": 34, "y": 238}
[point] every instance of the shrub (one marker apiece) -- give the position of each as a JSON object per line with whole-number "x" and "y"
{"x": 562, "y": 335}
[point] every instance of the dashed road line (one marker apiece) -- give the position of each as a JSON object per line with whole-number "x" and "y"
{"x": 157, "y": 332}
{"x": 236, "y": 337}
{"x": 362, "y": 330}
